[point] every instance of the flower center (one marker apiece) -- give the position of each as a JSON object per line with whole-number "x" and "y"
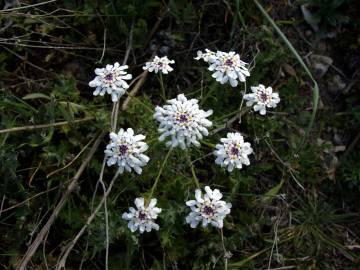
{"x": 208, "y": 210}
{"x": 109, "y": 77}
{"x": 263, "y": 97}
{"x": 142, "y": 215}
{"x": 229, "y": 62}
{"x": 183, "y": 118}
{"x": 234, "y": 151}
{"x": 123, "y": 149}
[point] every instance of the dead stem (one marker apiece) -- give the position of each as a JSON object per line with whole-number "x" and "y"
{"x": 26, "y": 128}
{"x": 62, "y": 260}
{"x": 73, "y": 184}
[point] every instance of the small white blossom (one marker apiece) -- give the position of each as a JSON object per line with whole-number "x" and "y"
{"x": 143, "y": 217}
{"x": 208, "y": 56}
{"x": 159, "y": 64}
{"x": 233, "y": 152}
{"x": 183, "y": 121}
{"x": 126, "y": 150}
{"x": 207, "y": 209}
{"x": 262, "y": 98}
{"x": 228, "y": 254}
{"x": 228, "y": 67}
{"x": 111, "y": 80}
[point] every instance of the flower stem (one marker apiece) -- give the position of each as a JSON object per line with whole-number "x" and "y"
{"x": 225, "y": 252}
{"x": 242, "y": 102}
{"x": 139, "y": 100}
{"x": 162, "y": 86}
{"x": 208, "y": 144}
{"x": 196, "y": 180}
{"x": 159, "y": 174}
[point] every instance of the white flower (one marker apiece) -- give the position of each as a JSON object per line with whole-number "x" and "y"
{"x": 183, "y": 121}
{"x": 126, "y": 150}
{"x": 262, "y": 98}
{"x": 228, "y": 67}
{"x": 111, "y": 80}
{"x": 208, "y": 56}
{"x": 233, "y": 152}
{"x": 143, "y": 217}
{"x": 159, "y": 64}
{"x": 207, "y": 209}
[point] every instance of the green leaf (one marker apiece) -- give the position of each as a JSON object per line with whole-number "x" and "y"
{"x": 239, "y": 264}
{"x": 270, "y": 195}
{"x": 36, "y": 96}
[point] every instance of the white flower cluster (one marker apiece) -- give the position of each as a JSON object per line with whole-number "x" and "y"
{"x": 111, "y": 80}
{"x": 182, "y": 124}
{"x": 262, "y": 98}
{"x": 207, "y": 56}
{"x": 161, "y": 64}
{"x": 143, "y": 217}
{"x": 183, "y": 121}
{"x": 207, "y": 209}
{"x": 227, "y": 67}
{"x": 233, "y": 152}
{"x": 126, "y": 150}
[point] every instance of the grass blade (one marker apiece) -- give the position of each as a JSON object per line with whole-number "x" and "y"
{"x": 315, "y": 90}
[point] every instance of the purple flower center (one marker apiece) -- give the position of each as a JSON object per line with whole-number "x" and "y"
{"x": 234, "y": 151}
{"x": 123, "y": 149}
{"x": 142, "y": 216}
{"x": 109, "y": 77}
{"x": 183, "y": 118}
{"x": 208, "y": 210}
{"x": 229, "y": 62}
{"x": 263, "y": 97}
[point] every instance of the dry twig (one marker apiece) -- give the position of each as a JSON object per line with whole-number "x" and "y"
{"x": 27, "y": 128}
{"x": 73, "y": 184}
{"x": 113, "y": 121}
{"x": 62, "y": 261}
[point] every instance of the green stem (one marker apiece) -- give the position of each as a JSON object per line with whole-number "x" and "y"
{"x": 196, "y": 180}
{"x": 224, "y": 249}
{"x": 226, "y": 116}
{"x": 159, "y": 174}
{"x": 139, "y": 100}
{"x": 208, "y": 144}
{"x": 242, "y": 102}
{"x": 208, "y": 94}
{"x": 162, "y": 86}
{"x": 151, "y": 141}
{"x": 241, "y": 18}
